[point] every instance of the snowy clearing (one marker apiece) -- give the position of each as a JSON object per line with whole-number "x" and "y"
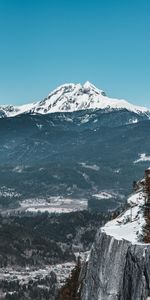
{"x": 103, "y": 195}
{"x": 62, "y": 272}
{"x": 129, "y": 225}
{"x": 54, "y": 205}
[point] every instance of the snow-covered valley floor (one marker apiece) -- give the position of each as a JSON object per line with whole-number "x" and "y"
{"x": 62, "y": 271}
{"x": 54, "y": 205}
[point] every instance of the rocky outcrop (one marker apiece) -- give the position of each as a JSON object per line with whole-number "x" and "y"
{"x": 119, "y": 263}
{"x": 117, "y": 270}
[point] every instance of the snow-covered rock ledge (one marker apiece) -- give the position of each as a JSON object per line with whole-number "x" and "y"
{"x": 119, "y": 262}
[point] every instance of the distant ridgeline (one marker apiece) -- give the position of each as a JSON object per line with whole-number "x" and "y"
{"x": 76, "y": 143}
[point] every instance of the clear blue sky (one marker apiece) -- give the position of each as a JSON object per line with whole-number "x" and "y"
{"x": 44, "y": 43}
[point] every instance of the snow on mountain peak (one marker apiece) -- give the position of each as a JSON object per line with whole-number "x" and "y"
{"x": 91, "y": 87}
{"x": 71, "y": 97}
{"x": 87, "y": 87}
{"x": 74, "y": 97}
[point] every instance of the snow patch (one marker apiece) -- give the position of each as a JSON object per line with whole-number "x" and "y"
{"x": 143, "y": 157}
{"x": 92, "y": 167}
{"x": 132, "y": 121}
{"x": 54, "y": 205}
{"x": 129, "y": 225}
{"x": 103, "y": 195}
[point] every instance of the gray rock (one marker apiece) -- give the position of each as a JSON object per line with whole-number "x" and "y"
{"x": 117, "y": 270}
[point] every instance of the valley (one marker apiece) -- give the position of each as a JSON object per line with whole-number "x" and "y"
{"x": 67, "y": 166}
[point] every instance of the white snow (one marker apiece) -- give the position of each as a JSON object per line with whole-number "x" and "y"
{"x": 73, "y": 97}
{"x": 7, "y": 192}
{"x": 50, "y": 210}
{"x": 103, "y": 195}
{"x": 18, "y": 169}
{"x": 117, "y": 171}
{"x": 62, "y": 272}
{"x": 129, "y": 225}
{"x": 92, "y": 167}
{"x": 137, "y": 199}
{"x": 142, "y": 157}
{"x": 132, "y": 121}
{"x": 54, "y": 205}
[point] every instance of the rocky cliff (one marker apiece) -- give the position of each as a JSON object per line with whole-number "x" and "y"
{"x": 119, "y": 262}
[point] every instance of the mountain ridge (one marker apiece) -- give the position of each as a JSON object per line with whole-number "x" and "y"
{"x": 72, "y": 97}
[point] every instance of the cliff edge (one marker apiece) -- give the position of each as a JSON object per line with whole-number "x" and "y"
{"x": 119, "y": 262}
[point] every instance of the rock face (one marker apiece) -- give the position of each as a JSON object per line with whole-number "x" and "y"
{"x": 117, "y": 270}
{"x": 119, "y": 262}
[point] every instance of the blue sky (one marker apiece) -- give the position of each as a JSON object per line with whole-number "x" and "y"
{"x": 44, "y": 43}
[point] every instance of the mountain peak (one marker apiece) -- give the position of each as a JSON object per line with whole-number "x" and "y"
{"x": 71, "y": 97}
{"x": 89, "y": 85}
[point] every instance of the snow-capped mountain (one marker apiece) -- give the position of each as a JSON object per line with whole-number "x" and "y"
{"x": 73, "y": 97}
